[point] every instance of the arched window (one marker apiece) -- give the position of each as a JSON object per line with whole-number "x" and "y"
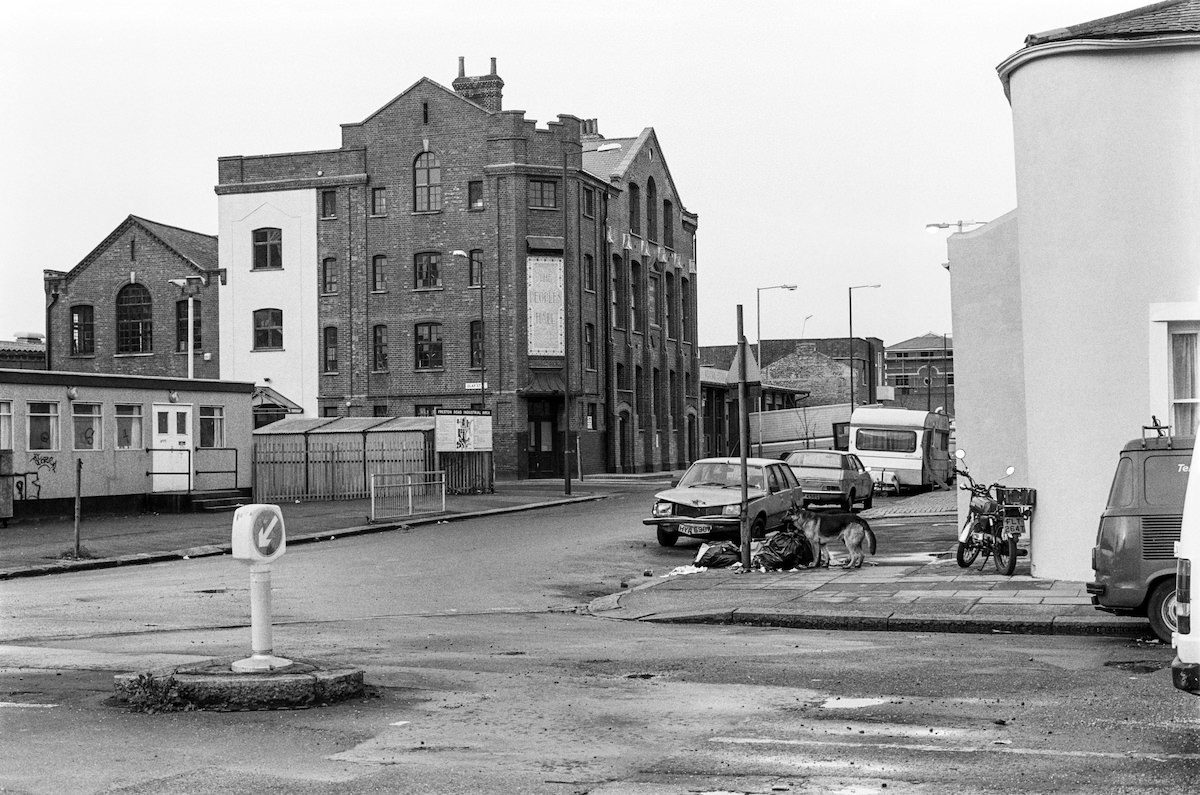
{"x": 135, "y": 327}
{"x": 428, "y": 339}
{"x": 668, "y": 224}
{"x": 268, "y": 329}
{"x": 635, "y": 208}
{"x": 651, "y": 210}
{"x": 635, "y": 296}
{"x": 427, "y": 183}
{"x": 331, "y": 349}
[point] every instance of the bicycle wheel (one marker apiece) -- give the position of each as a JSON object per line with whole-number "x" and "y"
{"x": 1005, "y": 552}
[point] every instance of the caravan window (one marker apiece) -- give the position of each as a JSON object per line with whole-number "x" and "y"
{"x": 885, "y": 441}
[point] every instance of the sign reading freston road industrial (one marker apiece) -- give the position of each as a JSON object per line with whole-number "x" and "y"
{"x": 544, "y": 299}
{"x": 463, "y": 430}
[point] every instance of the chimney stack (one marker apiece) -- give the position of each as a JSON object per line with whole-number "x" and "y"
{"x": 486, "y": 90}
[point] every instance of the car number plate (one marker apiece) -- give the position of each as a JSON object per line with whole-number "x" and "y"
{"x": 1012, "y": 526}
{"x": 691, "y": 528}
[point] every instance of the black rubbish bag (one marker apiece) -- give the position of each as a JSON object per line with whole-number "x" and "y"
{"x": 719, "y": 555}
{"x": 783, "y": 550}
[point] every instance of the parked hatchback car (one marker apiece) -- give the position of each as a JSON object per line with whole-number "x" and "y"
{"x": 831, "y": 477}
{"x": 706, "y": 502}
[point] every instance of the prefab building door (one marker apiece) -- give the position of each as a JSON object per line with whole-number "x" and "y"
{"x": 171, "y": 455}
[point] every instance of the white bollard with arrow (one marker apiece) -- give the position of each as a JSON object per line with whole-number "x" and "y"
{"x": 258, "y": 539}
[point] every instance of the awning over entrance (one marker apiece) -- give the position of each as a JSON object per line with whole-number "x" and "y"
{"x": 543, "y": 382}
{"x": 266, "y": 398}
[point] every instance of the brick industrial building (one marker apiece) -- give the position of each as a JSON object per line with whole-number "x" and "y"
{"x": 450, "y": 254}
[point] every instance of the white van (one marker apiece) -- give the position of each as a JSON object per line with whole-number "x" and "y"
{"x": 902, "y": 447}
{"x": 1185, "y": 668}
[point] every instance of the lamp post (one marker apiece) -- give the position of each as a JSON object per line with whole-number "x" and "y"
{"x": 937, "y": 226}
{"x": 850, "y": 294}
{"x": 566, "y": 339}
{"x": 482, "y": 348}
{"x": 758, "y": 345}
{"x": 804, "y": 325}
{"x": 190, "y": 286}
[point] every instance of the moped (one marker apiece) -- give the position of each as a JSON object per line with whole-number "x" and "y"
{"x": 996, "y": 519}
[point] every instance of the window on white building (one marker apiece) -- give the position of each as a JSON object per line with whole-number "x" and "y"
{"x": 129, "y": 427}
{"x": 86, "y": 422}
{"x": 212, "y": 426}
{"x": 1184, "y": 397}
{"x": 43, "y": 426}
{"x": 6, "y": 425}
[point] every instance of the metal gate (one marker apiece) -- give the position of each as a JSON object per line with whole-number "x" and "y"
{"x": 405, "y": 494}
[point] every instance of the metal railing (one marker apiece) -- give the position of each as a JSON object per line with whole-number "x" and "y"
{"x": 398, "y": 496}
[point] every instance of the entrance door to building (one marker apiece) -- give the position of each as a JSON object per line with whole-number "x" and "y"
{"x": 544, "y": 450}
{"x": 171, "y": 456}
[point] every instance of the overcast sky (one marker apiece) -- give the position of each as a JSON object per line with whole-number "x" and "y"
{"x": 814, "y": 139}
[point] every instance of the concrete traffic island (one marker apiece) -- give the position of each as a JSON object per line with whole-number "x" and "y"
{"x": 215, "y": 685}
{"x": 260, "y": 681}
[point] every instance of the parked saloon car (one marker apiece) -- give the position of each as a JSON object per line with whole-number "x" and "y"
{"x": 832, "y": 477}
{"x": 707, "y": 500}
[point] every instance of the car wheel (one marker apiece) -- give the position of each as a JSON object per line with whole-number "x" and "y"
{"x": 666, "y": 538}
{"x": 1161, "y": 610}
{"x": 868, "y": 501}
{"x": 759, "y": 528}
{"x": 847, "y": 504}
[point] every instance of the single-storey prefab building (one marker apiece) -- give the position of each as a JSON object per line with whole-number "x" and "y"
{"x": 126, "y": 440}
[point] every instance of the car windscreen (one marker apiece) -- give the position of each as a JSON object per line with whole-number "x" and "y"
{"x": 720, "y": 475}
{"x": 885, "y": 440}
{"x": 815, "y": 460}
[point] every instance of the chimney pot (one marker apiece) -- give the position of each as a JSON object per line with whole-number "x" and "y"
{"x": 493, "y": 66}
{"x": 462, "y": 66}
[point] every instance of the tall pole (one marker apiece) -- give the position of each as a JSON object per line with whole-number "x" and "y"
{"x": 482, "y": 345}
{"x": 759, "y": 354}
{"x": 850, "y": 350}
{"x": 566, "y": 340}
{"x": 744, "y": 431}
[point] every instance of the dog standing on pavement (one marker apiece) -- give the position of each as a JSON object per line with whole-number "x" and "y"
{"x": 821, "y": 528}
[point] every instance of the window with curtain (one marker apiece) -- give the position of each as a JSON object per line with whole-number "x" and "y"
{"x": 83, "y": 330}
{"x": 1183, "y": 383}
{"x": 129, "y": 427}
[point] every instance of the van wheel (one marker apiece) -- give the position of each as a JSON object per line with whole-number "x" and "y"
{"x": 666, "y": 538}
{"x": 1160, "y": 609}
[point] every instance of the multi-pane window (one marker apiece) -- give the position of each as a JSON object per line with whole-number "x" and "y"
{"x": 618, "y": 293}
{"x": 427, "y": 270}
{"x": 589, "y": 202}
{"x": 379, "y": 273}
{"x": 668, "y": 303}
{"x": 328, "y": 203}
{"x": 268, "y": 248}
{"x": 685, "y": 311}
{"x": 589, "y": 272}
{"x": 428, "y": 346}
{"x": 268, "y": 329}
{"x": 129, "y": 427}
{"x": 83, "y": 330}
{"x": 427, "y": 183}
{"x": 379, "y": 345}
{"x": 135, "y": 327}
{"x": 181, "y": 325}
{"x": 42, "y": 424}
{"x": 652, "y": 299}
{"x": 543, "y": 193}
{"x": 591, "y": 421}
{"x": 476, "y": 259}
{"x": 329, "y": 275}
{"x": 635, "y": 209}
{"x": 635, "y": 294}
{"x": 589, "y": 346}
{"x": 378, "y": 201}
{"x": 651, "y": 210}
{"x": 330, "y": 348}
{"x": 476, "y": 344}
{"x": 425, "y": 409}
{"x": 379, "y": 410}
{"x": 668, "y": 224}
{"x": 6, "y": 425}
{"x": 475, "y": 195}
{"x": 212, "y": 426}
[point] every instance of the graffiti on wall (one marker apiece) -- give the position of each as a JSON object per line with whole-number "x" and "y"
{"x": 28, "y": 485}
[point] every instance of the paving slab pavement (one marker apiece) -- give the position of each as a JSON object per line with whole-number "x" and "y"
{"x": 917, "y": 592}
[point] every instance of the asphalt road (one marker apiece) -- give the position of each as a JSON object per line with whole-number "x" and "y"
{"x": 485, "y": 677}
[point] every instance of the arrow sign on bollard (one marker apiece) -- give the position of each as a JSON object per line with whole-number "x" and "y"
{"x": 258, "y": 533}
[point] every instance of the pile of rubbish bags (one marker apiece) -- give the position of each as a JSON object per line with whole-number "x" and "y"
{"x": 779, "y": 551}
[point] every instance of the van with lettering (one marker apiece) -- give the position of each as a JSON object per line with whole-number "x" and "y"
{"x": 1134, "y": 555}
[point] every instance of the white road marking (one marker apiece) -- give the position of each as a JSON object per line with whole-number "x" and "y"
{"x": 960, "y": 749}
{"x": 23, "y": 705}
